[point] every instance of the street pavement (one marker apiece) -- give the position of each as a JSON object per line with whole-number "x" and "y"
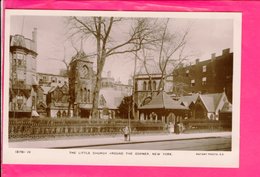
{"x": 87, "y": 141}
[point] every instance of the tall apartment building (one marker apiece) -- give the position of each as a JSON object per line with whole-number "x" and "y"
{"x": 23, "y": 83}
{"x": 210, "y": 76}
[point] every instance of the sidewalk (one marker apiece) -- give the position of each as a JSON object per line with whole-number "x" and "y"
{"x": 101, "y": 141}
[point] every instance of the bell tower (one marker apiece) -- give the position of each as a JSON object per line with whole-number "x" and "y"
{"x": 81, "y": 82}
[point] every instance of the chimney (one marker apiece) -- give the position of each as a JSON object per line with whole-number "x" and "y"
{"x": 213, "y": 56}
{"x": 34, "y": 38}
{"x": 226, "y": 51}
{"x": 197, "y": 61}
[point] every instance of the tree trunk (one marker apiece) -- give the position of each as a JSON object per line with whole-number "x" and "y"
{"x": 96, "y": 96}
{"x": 97, "y": 87}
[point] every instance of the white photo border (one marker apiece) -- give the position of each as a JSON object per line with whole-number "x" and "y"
{"x": 178, "y": 158}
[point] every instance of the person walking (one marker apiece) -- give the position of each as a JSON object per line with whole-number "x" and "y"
{"x": 126, "y": 132}
{"x": 177, "y": 128}
{"x": 170, "y": 128}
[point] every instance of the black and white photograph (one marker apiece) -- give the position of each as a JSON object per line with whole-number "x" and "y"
{"x": 122, "y": 88}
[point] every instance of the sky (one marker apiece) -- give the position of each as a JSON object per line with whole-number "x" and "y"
{"x": 206, "y": 36}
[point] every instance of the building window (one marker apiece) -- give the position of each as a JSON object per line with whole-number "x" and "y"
{"x": 204, "y": 68}
{"x": 19, "y": 62}
{"x": 192, "y": 83}
{"x": 204, "y": 80}
{"x": 154, "y": 85}
{"x": 88, "y": 96}
{"x": 85, "y": 95}
{"x": 187, "y": 73}
{"x": 20, "y": 56}
{"x": 144, "y": 86}
{"x": 81, "y": 95}
{"x": 54, "y": 79}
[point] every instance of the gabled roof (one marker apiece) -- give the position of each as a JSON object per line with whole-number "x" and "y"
{"x": 45, "y": 89}
{"x": 112, "y": 97}
{"x": 64, "y": 88}
{"x": 187, "y": 100}
{"x": 52, "y": 89}
{"x": 163, "y": 101}
{"x": 41, "y": 104}
{"x": 227, "y": 107}
{"x": 211, "y": 101}
{"x": 81, "y": 55}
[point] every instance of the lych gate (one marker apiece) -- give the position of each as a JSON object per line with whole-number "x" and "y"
{"x": 163, "y": 108}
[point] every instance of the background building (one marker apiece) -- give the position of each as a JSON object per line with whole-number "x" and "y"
{"x": 23, "y": 83}
{"x": 49, "y": 80}
{"x": 147, "y": 83}
{"x": 109, "y": 82}
{"x": 209, "y": 76}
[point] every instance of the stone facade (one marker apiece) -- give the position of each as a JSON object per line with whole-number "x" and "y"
{"x": 81, "y": 83}
{"x": 23, "y": 83}
{"x": 146, "y": 86}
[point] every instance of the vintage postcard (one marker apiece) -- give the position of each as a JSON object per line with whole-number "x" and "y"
{"x": 122, "y": 88}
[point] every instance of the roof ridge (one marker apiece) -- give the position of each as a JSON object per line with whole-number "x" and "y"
{"x": 200, "y": 95}
{"x": 222, "y": 94}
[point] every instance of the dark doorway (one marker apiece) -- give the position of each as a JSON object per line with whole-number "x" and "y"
{"x": 84, "y": 113}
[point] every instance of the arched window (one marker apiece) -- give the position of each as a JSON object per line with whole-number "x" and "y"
{"x": 64, "y": 114}
{"x": 154, "y": 85}
{"x": 81, "y": 95}
{"x": 149, "y": 85}
{"x": 144, "y": 85}
{"x": 58, "y": 114}
{"x": 54, "y": 79}
{"x": 85, "y": 95}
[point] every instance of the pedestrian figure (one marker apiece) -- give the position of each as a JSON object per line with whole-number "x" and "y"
{"x": 171, "y": 128}
{"x": 182, "y": 128}
{"x": 177, "y": 128}
{"x": 126, "y": 132}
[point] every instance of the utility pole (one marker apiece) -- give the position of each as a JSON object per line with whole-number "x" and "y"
{"x": 129, "y": 122}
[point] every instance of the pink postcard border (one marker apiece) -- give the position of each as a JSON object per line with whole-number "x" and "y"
{"x": 249, "y": 129}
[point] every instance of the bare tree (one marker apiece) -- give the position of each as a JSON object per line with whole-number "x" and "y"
{"x": 66, "y": 62}
{"x": 100, "y": 30}
{"x": 170, "y": 47}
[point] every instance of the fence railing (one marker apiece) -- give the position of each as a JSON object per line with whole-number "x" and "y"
{"x": 33, "y": 128}
{"x": 24, "y": 128}
{"x": 204, "y": 124}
